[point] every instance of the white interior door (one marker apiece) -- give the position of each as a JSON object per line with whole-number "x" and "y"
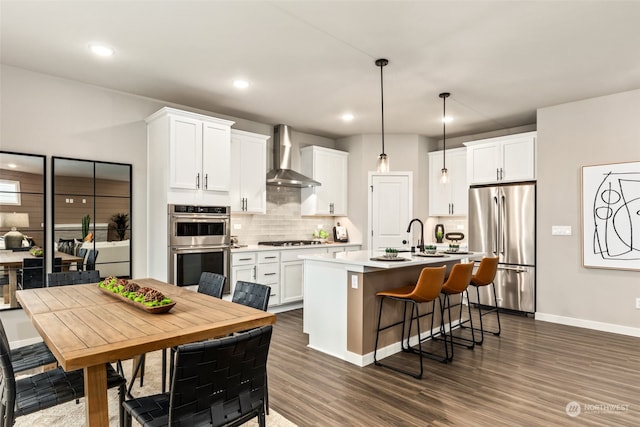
{"x": 390, "y": 209}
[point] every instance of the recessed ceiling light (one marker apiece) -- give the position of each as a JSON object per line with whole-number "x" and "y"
{"x": 447, "y": 119}
{"x": 101, "y": 50}
{"x": 347, "y": 117}
{"x": 12, "y": 165}
{"x": 241, "y": 84}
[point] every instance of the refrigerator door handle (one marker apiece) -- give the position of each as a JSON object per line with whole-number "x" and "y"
{"x": 501, "y": 242}
{"x": 516, "y": 269}
{"x": 496, "y": 214}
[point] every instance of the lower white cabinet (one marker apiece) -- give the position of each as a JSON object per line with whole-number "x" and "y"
{"x": 291, "y": 281}
{"x": 281, "y": 270}
{"x": 243, "y": 267}
{"x": 268, "y": 273}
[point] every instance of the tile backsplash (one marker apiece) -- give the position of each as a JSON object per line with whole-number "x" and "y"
{"x": 282, "y": 221}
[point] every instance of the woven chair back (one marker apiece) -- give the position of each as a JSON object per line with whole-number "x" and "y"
{"x": 211, "y": 284}
{"x": 252, "y": 295}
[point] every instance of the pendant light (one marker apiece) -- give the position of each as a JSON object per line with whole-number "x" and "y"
{"x": 444, "y": 177}
{"x": 383, "y": 160}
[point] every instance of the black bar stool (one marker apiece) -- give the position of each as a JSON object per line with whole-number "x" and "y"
{"x": 485, "y": 276}
{"x": 457, "y": 284}
{"x": 427, "y": 289}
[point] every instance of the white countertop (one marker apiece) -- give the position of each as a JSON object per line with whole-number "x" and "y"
{"x": 362, "y": 259}
{"x": 260, "y": 248}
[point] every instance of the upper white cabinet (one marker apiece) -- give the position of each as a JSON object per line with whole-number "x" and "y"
{"x": 330, "y": 168}
{"x": 248, "y": 192}
{"x": 503, "y": 159}
{"x": 189, "y": 154}
{"x": 450, "y": 199}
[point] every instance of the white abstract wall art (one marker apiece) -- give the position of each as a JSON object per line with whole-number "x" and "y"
{"x": 611, "y": 216}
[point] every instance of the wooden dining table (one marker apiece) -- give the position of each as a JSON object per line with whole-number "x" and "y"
{"x": 12, "y": 261}
{"x": 86, "y": 328}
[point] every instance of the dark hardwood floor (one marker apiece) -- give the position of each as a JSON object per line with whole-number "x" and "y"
{"x": 525, "y": 377}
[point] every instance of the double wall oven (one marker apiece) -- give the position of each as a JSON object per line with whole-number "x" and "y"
{"x": 199, "y": 240}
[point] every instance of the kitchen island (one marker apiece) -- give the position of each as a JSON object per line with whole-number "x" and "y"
{"x": 340, "y": 304}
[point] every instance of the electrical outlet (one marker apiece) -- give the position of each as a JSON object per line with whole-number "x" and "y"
{"x": 237, "y": 226}
{"x": 638, "y": 303}
{"x": 354, "y": 281}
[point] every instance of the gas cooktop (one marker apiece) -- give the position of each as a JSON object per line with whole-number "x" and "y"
{"x": 291, "y": 243}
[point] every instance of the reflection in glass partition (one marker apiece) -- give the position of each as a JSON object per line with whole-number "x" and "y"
{"x": 22, "y": 224}
{"x": 92, "y": 214}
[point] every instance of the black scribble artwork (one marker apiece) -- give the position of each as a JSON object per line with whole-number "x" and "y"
{"x": 616, "y": 217}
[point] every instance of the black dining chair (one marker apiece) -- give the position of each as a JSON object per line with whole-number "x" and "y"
{"x": 211, "y": 284}
{"x": 251, "y": 294}
{"x": 44, "y": 390}
{"x": 232, "y": 370}
{"x": 32, "y": 273}
{"x": 72, "y": 278}
{"x": 254, "y": 295}
{"x": 57, "y": 264}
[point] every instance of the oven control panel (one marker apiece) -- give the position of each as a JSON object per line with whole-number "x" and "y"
{"x": 219, "y": 210}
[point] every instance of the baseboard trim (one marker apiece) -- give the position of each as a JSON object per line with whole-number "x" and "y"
{"x": 589, "y": 324}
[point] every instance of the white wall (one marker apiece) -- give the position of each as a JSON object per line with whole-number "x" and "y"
{"x": 58, "y": 117}
{"x": 594, "y": 131}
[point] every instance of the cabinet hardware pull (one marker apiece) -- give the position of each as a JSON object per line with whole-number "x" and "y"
{"x": 270, "y": 257}
{"x": 497, "y": 174}
{"x": 206, "y": 181}
{"x": 244, "y": 259}
{"x": 197, "y": 180}
{"x": 269, "y": 274}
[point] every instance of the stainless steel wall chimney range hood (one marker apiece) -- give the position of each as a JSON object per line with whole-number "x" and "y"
{"x": 282, "y": 175}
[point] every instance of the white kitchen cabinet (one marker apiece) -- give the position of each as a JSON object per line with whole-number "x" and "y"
{"x": 200, "y": 153}
{"x": 450, "y": 199}
{"x": 248, "y": 189}
{"x": 291, "y": 273}
{"x": 508, "y": 158}
{"x": 330, "y": 168}
{"x": 243, "y": 267}
{"x": 189, "y": 157}
{"x": 268, "y": 273}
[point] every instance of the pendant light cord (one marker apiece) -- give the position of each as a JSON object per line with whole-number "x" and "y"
{"x": 382, "y": 105}
{"x": 444, "y": 96}
{"x": 444, "y": 132}
{"x": 381, "y": 63}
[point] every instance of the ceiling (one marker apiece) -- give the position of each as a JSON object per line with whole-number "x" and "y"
{"x": 308, "y": 62}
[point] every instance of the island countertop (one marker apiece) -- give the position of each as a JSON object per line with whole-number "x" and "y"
{"x": 364, "y": 261}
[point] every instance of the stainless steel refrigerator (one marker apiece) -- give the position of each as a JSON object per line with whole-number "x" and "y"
{"x": 502, "y": 221}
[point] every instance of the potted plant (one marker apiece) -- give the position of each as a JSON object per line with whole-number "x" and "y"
{"x": 391, "y": 253}
{"x": 120, "y": 222}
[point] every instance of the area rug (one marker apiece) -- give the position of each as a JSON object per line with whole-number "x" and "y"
{"x": 72, "y": 414}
